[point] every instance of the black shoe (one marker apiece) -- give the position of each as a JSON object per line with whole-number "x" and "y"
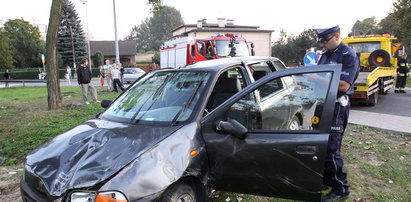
{"x": 334, "y": 196}
{"x": 402, "y": 91}
{"x": 396, "y": 91}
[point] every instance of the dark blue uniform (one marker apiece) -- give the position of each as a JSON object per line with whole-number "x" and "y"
{"x": 334, "y": 172}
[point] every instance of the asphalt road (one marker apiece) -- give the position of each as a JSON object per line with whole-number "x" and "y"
{"x": 393, "y": 104}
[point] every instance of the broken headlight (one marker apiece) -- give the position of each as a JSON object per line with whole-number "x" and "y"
{"x": 113, "y": 196}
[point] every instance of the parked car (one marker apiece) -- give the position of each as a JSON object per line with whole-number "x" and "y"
{"x": 175, "y": 134}
{"x": 132, "y": 74}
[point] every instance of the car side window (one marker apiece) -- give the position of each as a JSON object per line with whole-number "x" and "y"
{"x": 260, "y": 69}
{"x": 288, "y": 103}
{"x": 228, "y": 83}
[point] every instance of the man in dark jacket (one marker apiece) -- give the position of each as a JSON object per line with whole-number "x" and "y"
{"x": 402, "y": 73}
{"x": 84, "y": 81}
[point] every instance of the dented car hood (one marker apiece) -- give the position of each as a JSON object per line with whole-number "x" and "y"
{"x": 91, "y": 153}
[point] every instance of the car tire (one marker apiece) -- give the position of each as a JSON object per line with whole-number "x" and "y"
{"x": 179, "y": 192}
{"x": 373, "y": 99}
{"x": 294, "y": 124}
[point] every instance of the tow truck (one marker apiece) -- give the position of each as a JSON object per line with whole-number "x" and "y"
{"x": 180, "y": 51}
{"x": 377, "y": 66}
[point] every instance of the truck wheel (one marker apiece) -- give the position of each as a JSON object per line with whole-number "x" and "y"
{"x": 379, "y": 57}
{"x": 373, "y": 99}
{"x": 294, "y": 124}
{"x": 179, "y": 192}
{"x": 381, "y": 87}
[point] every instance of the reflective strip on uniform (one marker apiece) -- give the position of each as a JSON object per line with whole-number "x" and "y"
{"x": 402, "y": 74}
{"x": 402, "y": 64}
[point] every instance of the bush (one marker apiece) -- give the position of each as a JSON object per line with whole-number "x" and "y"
{"x": 32, "y": 73}
{"x": 98, "y": 59}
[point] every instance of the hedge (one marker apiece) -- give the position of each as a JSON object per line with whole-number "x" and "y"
{"x": 30, "y": 73}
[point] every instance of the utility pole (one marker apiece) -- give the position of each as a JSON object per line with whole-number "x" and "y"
{"x": 72, "y": 48}
{"x": 88, "y": 33}
{"x": 115, "y": 34}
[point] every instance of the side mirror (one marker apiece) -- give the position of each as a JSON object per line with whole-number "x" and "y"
{"x": 233, "y": 128}
{"x": 252, "y": 45}
{"x": 252, "y": 52}
{"x": 106, "y": 103}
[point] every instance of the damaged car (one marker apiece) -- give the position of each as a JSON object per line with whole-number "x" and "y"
{"x": 177, "y": 134}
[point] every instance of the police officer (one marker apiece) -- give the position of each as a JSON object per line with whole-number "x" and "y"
{"x": 337, "y": 53}
{"x": 402, "y": 73}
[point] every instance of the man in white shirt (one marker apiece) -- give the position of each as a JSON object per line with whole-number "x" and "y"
{"x": 115, "y": 73}
{"x": 107, "y": 68}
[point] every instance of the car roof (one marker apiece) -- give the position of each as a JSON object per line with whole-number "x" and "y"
{"x": 219, "y": 64}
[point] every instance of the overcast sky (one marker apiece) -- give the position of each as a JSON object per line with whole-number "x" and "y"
{"x": 290, "y": 15}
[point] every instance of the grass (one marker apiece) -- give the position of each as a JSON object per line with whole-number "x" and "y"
{"x": 25, "y": 122}
{"x": 378, "y": 162}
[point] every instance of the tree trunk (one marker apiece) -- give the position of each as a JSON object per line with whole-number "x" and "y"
{"x": 54, "y": 98}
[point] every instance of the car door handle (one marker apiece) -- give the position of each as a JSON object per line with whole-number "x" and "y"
{"x": 306, "y": 149}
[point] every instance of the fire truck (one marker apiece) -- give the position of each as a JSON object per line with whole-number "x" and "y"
{"x": 377, "y": 66}
{"x": 182, "y": 51}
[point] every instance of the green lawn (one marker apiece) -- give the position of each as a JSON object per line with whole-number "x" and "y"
{"x": 378, "y": 162}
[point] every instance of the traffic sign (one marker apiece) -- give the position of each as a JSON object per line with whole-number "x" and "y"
{"x": 310, "y": 59}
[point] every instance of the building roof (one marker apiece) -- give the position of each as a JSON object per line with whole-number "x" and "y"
{"x": 215, "y": 25}
{"x": 108, "y": 48}
{"x": 225, "y": 29}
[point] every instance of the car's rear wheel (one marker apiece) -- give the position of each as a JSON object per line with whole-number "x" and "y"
{"x": 294, "y": 124}
{"x": 179, "y": 192}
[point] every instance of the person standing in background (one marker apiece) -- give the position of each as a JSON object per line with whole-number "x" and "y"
{"x": 402, "y": 74}
{"x": 84, "y": 81}
{"x": 102, "y": 76}
{"x": 116, "y": 78}
{"x": 7, "y": 77}
{"x": 107, "y": 68}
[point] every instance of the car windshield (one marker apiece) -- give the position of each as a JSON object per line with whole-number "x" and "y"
{"x": 165, "y": 97}
{"x": 223, "y": 48}
{"x": 365, "y": 47}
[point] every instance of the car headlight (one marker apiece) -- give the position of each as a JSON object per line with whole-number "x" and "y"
{"x": 112, "y": 196}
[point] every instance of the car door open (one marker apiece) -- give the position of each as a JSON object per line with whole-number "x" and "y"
{"x": 271, "y": 138}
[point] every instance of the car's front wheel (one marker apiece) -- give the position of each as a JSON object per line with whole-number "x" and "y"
{"x": 179, "y": 192}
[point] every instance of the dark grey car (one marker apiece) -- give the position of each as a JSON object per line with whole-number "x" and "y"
{"x": 175, "y": 134}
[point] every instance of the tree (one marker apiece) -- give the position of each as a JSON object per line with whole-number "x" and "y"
{"x": 25, "y": 41}
{"x": 6, "y": 51}
{"x": 156, "y": 5}
{"x": 291, "y": 49}
{"x": 366, "y": 26}
{"x": 153, "y": 31}
{"x": 70, "y": 33}
{"x": 54, "y": 98}
{"x": 98, "y": 59}
{"x": 398, "y": 22}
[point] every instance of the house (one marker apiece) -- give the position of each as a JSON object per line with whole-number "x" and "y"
{"x": 260, "y": 38}
{"x": 127, "y": 51}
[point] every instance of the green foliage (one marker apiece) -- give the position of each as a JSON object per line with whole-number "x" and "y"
{"x": 6, "y": 51}
{"x": 291, "y": 49}
{"x": 25, "y": 42}
{"x": 366, "y": 26}
{"x": 153, "y": 31}
{"x": 70, "y": 33}
{"x": 156, "y": 57}
{"x": 98, "y": 59}
{"x": 398, "y": 23}
{"x": 156, "y": 5}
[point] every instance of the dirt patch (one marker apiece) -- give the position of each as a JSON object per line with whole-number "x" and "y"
{"x": 10, "y": 183}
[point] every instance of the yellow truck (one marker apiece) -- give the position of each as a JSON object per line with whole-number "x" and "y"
{"x": 377, "y": 66}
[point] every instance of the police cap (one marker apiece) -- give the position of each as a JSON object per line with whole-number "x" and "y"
{"x": 323, "y": 34}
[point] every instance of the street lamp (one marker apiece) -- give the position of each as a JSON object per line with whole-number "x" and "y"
{"x": 88, "y": 34}
{"x": 115, "y": 33}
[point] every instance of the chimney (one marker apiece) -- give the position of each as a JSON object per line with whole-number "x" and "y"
{"x": 204, "y": 22}
{"x": 199, "y": 24}
{"x": 221, "y": 22}
{"x": 230, "y": 22}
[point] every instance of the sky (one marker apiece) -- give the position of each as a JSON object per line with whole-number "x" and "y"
{"x": 292, "y": 16}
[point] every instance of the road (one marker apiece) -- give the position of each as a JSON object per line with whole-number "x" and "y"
{"x": 393, "y": 104}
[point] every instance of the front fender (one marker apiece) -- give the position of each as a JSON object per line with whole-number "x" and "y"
{"x": 162, "y": 165}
